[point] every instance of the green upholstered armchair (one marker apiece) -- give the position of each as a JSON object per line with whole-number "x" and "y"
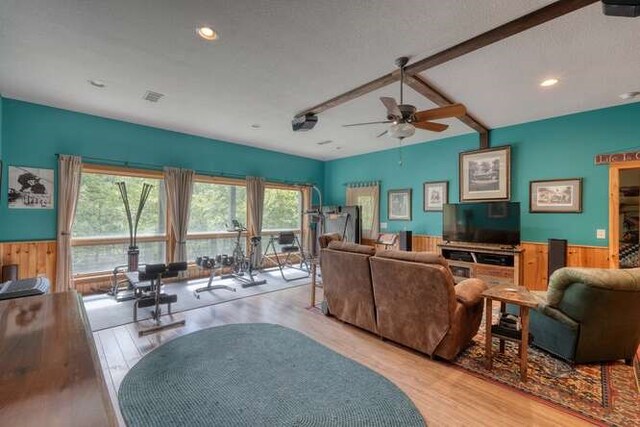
{"x": 589, "y": 315}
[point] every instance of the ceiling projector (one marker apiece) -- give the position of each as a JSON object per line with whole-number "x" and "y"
{"x": 304, "y": 123}
{"x": 628, "y": 8}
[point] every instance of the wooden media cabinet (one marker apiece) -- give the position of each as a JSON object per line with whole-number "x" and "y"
{"x": 495, "y": 264}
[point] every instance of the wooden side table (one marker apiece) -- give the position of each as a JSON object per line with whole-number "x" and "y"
{"x": 509, "y": 294}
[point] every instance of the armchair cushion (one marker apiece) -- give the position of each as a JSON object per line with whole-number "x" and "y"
{"x": 619, "y": 280}
{"x": 469, "y": 291}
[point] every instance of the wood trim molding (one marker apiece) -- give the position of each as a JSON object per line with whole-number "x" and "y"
{"x": 614, "y": 207}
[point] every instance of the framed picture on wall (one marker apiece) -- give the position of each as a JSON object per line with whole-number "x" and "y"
{"x": 485, "y": 175}
{"x": 399, "y": 205}
{"x": 436, "y": 195}
{"x": 30, "y": 188}
{"x": 556, "y": 195}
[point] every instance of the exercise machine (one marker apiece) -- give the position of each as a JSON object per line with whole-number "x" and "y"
{"x": 240, "y": 267}
{"x": 289, "y": 245}
{"x": 147, "y": 285}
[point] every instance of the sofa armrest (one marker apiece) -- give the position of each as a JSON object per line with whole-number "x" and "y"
{"x": 469, "y": 291}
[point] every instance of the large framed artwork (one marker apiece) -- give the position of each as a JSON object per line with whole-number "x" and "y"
{"x": 556, "y": 195}
{"x": 399, "y": 205}
{"x": 30, "y": 188}
{"x": 436, "y": 195}
{"x": 485, "y": 175}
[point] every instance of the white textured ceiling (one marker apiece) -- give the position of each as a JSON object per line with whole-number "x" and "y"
{"x": 277, "y": 57}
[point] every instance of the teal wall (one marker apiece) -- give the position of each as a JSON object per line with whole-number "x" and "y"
{"x": 33, "y": 134}
{"x": 562, "y": 147}
{"x": 1, "y": 102}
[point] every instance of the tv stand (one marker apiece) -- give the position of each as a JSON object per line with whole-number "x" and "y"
{"x": 495, "y": 264}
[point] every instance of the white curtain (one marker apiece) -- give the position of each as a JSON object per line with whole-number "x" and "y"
{"x": 178, "y": 185}
{"x": 367, "y": 196}
{"x": 69, "y": 176}
{"x": 255, "y": 209}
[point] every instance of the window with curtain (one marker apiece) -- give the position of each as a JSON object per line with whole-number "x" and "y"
{"x": 213, "y": 207}
{"x": 100, "y": 232}
{"x": 368, "y": 198}
{"x": 282, "y": 208}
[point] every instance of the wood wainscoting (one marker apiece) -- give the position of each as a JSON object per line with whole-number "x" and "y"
{"x": 535, "y": 258}
{"x": 33, "y": 258}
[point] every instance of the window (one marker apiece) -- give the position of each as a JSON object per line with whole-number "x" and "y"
{"x": 100, "y": 233}
{"x": 213, "y": 206}
{"x": 282, "y": 209}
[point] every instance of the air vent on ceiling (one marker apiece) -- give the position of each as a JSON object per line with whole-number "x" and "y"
{"x": 152, "y": 96}
{"x": 328, "y": 141}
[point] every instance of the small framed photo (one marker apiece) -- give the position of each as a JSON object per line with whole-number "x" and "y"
{"x": 485, "y": 175}
{"x": 556, "y": 195}
{"x": 399, "y": 205}
{"x": 436, "y": 195}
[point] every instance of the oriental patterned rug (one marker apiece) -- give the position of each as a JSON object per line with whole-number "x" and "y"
{"x": 604, "y": 393}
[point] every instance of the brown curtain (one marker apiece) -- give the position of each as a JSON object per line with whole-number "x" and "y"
{"x": 367, "y": 196}
{"x": 255, "y": 209}
{"x": 178, "y": 185}
{"x": 69, "y": 176}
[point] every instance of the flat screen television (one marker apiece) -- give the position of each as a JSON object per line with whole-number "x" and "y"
{"x": 493, "y": 223}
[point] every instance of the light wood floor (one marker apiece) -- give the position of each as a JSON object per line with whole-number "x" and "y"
{"x": 445, "y": 395}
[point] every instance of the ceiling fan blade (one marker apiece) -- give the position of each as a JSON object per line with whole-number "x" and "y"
{"x": 366, "y": 123}
{"x": 455, "y": 110}
{"x": 392, "y": 106}
{"x": 434, "y": 127}
{"x": 382, "y": 134}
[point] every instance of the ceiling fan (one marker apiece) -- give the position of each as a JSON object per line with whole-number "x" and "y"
{"x": 405, "y": 118}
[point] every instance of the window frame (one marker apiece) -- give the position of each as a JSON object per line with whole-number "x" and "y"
{"x": 90, "y": 168}
{"x": 206, "y": 179}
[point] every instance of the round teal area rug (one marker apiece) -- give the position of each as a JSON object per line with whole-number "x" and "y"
{"x": 258, "y": 375}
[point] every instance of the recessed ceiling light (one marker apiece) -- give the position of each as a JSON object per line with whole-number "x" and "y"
{"x": 97, "y": 83}
{"x": 256, "y": 125}
{"x": 549, "y": 82}
{"x": 630, "y": 95}
{"x": 207, "y": 33}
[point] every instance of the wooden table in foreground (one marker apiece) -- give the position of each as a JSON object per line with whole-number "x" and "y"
{"x": 50, "y": 374}
{"x": 509, "y": 294}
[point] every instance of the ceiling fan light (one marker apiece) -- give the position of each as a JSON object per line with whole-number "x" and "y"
{"x": 401, "y": 130}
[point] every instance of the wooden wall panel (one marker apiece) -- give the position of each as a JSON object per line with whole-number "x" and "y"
{"x": 535, "y": 258}
{"x": 33, "y": 258}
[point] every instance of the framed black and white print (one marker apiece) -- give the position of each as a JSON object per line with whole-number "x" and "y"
{"x": 556, "y": 195}
{"x": 436, "y": 195}
{"x": 30, "y": 188}
{"x": 485, "y": 175}
{"x": 399, "y": 205}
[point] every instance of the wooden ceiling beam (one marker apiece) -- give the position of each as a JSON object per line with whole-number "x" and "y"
{"x": 519, "y": 25}
{"x": 420, "y": 85}
{"x": 525, "y": 22}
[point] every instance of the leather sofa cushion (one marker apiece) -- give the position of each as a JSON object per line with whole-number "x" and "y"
{"x": 325, "y": 239}
{"x": 420, "y": 257}
{"x": 352, "y": 247}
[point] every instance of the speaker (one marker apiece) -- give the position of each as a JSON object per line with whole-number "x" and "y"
{"x": 625, "y": 8}
{"x": 557, "y": 255}
{"x": 404, "y": 238}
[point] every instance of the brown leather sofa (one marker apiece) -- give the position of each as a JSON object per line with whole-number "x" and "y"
{"x": 406, "y": 297}
{"x": 419, "y": 305}
{"x": 346, "y": 281}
